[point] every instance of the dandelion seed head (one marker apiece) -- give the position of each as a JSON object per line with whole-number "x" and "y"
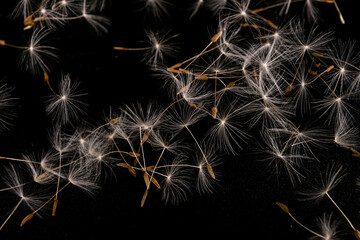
{"x": 82, "y": 141}
{"x": 111, "y": 136}
{"x": 43, "y": 164}
{"x": 145, "y": 127}
{"x": 200, "y": 167}
{"x": 265, "y": 65}
{"x": 168, "y": 178}
{"x": 280, "y": 155}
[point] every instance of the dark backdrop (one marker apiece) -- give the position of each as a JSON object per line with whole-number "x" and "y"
{"x": 243, "y": 205}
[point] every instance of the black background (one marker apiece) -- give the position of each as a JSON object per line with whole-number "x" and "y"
{"x": 243, "y": 206}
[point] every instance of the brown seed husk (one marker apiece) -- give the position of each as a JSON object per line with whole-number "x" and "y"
{"x": 283, "y": 207}
{"x": 26, "y": 219}
{"x": 46, "y": 77}
{"x": 176, "y": 65}
{"x": 318, "y": 54}
{"x": 288, "y": 90}
{"x": 271, "y": 24}
{"x": 121, "y": 48}
{"x": 114, "y": 121}
{"x": 132, "y": 171}
{"x": 230, "y": 85}
{"x": 54, "y": 206}
{"x": 29, "y": 21}
{"x": 173, "y": 70}
{"x": 202, "y": 77}
{"x": 357, "y": 234}
{"x": 145, "y": 137}
{"x": 355, "y": 152}
{"x": 147, "y": 180}
{"x": 210, "y": 170}
{"x": 130, "y": 168}
{"x": 214, "y": 112}
{"x": 132, "y": 154}
{"x": 144, "y": 198}
{"x": 313, "y": 72}
{"x": 155, "y": 182}
{"x": 41, "y": 176}
{"x": 329, "y": 68}
{"x": 150, "y": 168}
{"x": 216, "y": 36}
{"x": 193, "y": 105}
{"x": 183, "y": 70}
{"x": 124, "y": 165}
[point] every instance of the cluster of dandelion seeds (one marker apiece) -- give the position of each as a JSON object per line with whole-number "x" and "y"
{"x": 286, "y": 88}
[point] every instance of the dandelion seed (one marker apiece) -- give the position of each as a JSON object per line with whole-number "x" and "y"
{"x": 176, "y": 184}
{"x": 79, "y": 175}
{"x": 99, "y": 23}
{"x": 38, "y": 56}
{"x": 286, "y": 210}
{"x": 313, "y": 40}
{"x": 39, "y": 175}
{"x": 30, "y": 198}
{"x": 66, "y": 106}
{"x": 279, "y": 156}
{"x": 161, "y": 45}
{"x": 326, "y": 182}
{"x": 205, "y": 161}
